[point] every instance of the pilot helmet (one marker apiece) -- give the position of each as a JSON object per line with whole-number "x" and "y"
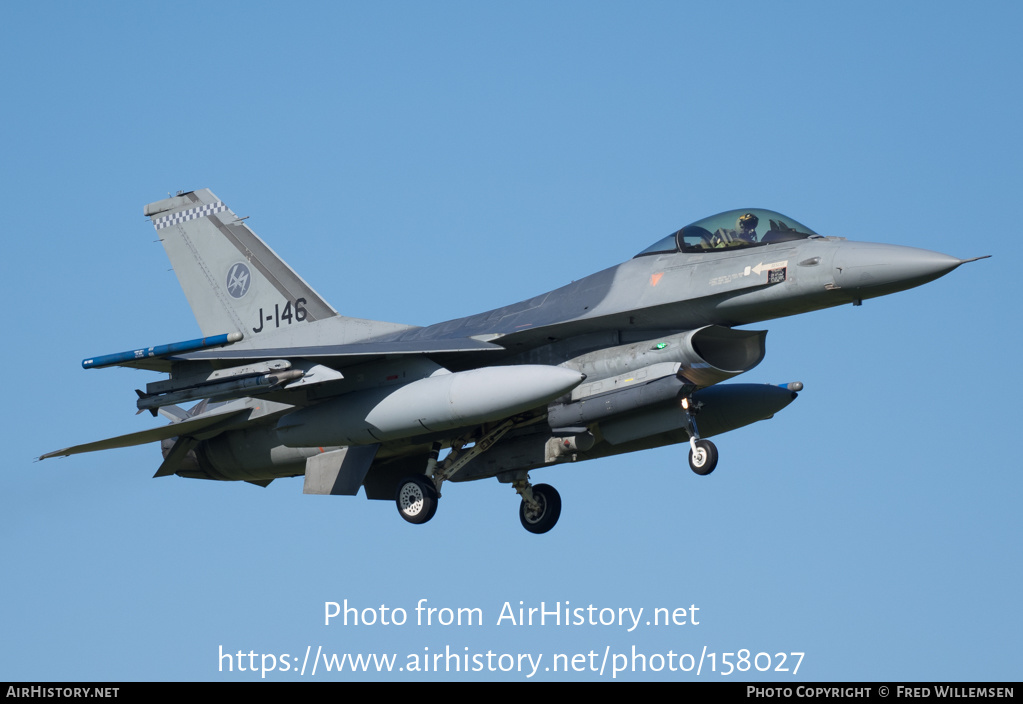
{"x": 747, "y": 223}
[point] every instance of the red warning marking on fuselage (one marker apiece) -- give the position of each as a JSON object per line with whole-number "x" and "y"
{"x": 654, "y": 278}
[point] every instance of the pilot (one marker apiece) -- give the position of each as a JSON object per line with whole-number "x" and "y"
{"x": 746, "y": 227}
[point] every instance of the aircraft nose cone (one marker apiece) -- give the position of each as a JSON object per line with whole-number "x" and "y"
{"x": 880, "y": 269}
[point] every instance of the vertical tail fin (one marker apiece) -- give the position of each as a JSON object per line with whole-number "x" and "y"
{"x": 232, "y": 280}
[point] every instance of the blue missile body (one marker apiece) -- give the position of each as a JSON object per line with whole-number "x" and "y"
{"x": 111, "y": 360}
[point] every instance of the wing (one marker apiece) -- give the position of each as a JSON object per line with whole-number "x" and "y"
{"x": 462, "y": 353}
{"x": 198, "y": 372}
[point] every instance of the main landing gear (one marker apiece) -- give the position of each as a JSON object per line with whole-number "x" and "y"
{"x": 540, "y": 507}
{"x": 417, "y": 498}
{"x": 418, "y": 494}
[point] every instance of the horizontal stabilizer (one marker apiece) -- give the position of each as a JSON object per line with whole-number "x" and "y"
{"x": 206, "y": 425}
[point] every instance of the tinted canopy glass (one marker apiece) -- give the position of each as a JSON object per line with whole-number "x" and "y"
{"x": 733, "y": 229}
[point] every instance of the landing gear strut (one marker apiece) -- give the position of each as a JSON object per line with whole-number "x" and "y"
{"x": 418, "y": 494}
{"x": 703, "y": 454}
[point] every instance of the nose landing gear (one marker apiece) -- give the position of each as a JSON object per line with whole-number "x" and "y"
{"x": 703, "y": 454}
{"x": 703, "y": 457}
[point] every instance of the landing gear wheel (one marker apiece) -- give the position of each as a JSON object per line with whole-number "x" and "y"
{"x": 705, "y": 459}
{"x": 416, "y": 499}
{"x": 543, "y": 518}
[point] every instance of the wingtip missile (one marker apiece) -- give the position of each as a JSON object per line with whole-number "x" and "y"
{"x": 110, "y": 360}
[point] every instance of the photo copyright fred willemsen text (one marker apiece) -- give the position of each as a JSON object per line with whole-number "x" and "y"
{"x": 543, "y": 614}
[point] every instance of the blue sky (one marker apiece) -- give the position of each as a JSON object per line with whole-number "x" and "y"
{"x": 417, "y": 162}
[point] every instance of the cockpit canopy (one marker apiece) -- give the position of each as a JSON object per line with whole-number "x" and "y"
{"x": 733, "y": 229}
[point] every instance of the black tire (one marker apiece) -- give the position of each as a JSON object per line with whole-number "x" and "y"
{"x": 416, "y": 499}
{"x": 705, "y": 459}
{"x": 550, "y": 509}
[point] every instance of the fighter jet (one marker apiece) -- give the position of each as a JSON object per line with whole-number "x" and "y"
{"x": 626, "y": 359}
